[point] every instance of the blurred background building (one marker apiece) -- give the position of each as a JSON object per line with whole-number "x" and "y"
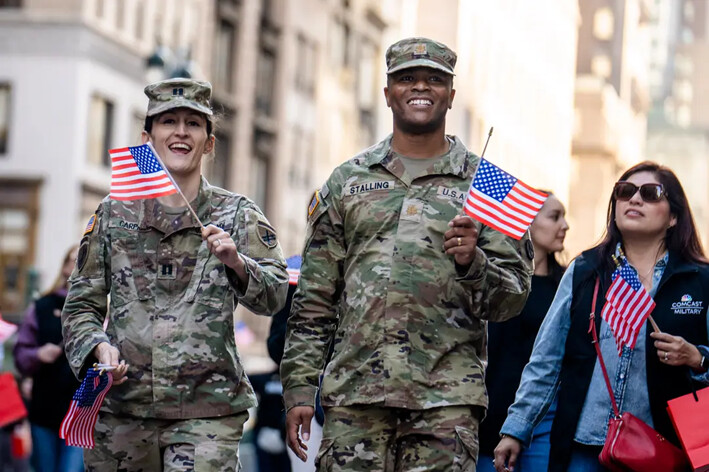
{"x": 577, "y": 91}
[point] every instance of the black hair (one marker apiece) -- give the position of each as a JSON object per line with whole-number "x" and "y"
{"x": 149, "y": 120}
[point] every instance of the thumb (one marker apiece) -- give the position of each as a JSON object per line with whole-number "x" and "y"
{"x": 306, "y": 418}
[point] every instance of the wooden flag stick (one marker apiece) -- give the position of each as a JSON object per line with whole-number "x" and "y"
{"x": 654, "y": 325}
{"x": 167, "y": 172}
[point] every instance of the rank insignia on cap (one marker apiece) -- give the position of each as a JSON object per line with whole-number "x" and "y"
{"x": 90, "y": 224}
{"x": 314, "y": 203}
{"x": 420, "y": 50}
{"x": 267, "y": 235}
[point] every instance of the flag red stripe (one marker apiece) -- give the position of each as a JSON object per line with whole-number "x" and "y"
{"x": 494, "y": 224}
{"x": 140, "y": 197}
{"x": 509, "y": 218}
{"x": 533, "y": 192}
{"x": 488, "y": 201}
{"x": 491, "y": 219}
{"x": 142, "y": 188}
{"x": 523, "y": 206}
{"x": 140, "y": 180}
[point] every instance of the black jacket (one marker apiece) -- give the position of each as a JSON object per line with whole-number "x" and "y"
{"x": 681, "y": 280}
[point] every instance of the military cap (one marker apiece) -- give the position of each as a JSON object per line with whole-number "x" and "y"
{"x": 178, "y": 93}
{"x": 420, "y": 52}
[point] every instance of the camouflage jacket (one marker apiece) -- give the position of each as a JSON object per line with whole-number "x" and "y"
{"x": 171, "y": 302}
{"x": 408, "y": 329}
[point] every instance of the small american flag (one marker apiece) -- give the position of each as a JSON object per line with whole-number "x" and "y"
{"x": 136, "y": 173}
{"x": 501, "y": 201}
{"x": 293, "y": 268}
{"x": 627, "y": 306}
{"x": 77, "y": 428}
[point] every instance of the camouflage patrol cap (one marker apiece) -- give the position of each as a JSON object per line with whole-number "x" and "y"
{"x": 178, "y": 93}
{"x": 420, "y": 52}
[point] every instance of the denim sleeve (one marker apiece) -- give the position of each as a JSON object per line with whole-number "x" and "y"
{"x": 540, "y": 377}
{"x": 702, "y": 377}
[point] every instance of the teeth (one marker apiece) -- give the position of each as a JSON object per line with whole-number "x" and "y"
{"x": 420, "y": 102}
{"x": 180, "y": 146}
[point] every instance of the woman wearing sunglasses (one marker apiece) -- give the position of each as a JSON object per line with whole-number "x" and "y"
{"x": 650, "y": 227}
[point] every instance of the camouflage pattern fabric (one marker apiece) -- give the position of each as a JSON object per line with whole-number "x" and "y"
{"x": 411, "y": 329}
{"x": 130, "y": 444}
{"x": 420, "y": 52}
{"x": 379, "y": 439}
{"x": 171, "y": 303}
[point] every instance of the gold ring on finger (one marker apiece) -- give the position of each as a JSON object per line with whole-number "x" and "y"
{"x": 459, "y": 242}
{"x": 667, "y": 356}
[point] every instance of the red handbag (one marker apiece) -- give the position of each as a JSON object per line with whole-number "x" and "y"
{"x": 690, "y": 416}
{"x": 631, "y": 445}
{"x": 12, "y": 408}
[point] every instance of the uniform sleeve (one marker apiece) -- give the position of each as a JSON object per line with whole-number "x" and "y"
{"x": 265, "y": 291}
{"x": 500, "y": 275}
{"x": 313, "y": 318}
{"x": 86, "y": 303}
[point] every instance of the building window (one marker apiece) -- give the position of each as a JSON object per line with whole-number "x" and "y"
{"x": 99, "y": 135}
{"x": 603, "y": 24}
{"x": 18, "y": 221}
{"x": 219, "y": 168}
{"x": 601, "y": 66}
{"x": 266, "y": 70}
{"x": 4, "y": 117}
{"x": 307, "y": 64}
{"x": 224, "y": 56}
{"x": 263, "y": 150}
{"x": 339, "y": 43}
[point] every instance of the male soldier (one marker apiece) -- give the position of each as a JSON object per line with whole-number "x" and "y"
{"x": 412, "y": 282}
{"x": 183, "y": 402}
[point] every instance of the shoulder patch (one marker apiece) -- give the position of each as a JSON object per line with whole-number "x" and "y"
{"x": 90, "y": 225}
{"x": 83, "y": 253}
{"x": 314, "y": 203}
{"x": 267, "y": 235}
{"x": 529, "y": 249}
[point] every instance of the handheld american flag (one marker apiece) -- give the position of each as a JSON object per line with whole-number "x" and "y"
{"x": 77, "y": 428}
{"x": 501, "y": 201}
{"x": 136, "y": 173}
{"x": 627, "y": 306}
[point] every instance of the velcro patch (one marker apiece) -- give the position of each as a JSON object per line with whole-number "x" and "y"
{"x": 267, "y": 235}
{"x": 90, "y": 225}
{"x": 314, "y": 203}
{"x": 82, "y": 257}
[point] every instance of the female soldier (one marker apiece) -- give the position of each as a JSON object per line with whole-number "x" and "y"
{"x": 649, "y": 227}
{"x": 180, "y": 396}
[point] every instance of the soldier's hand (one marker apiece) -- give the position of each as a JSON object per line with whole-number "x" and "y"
{"x": 221, "y": 245}
{"x": 506, "y": 454}
{"x": 299, "y": 418}
{"x": 461, "y": 240}
{"x": 48, "y": 353}
{"x": 107, "y": 354}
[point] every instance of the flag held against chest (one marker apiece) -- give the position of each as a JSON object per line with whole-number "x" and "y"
{"x": 77, "y": 428}
{"x": 502, "y": 201}
{"x": 136, "y": 173}
{"x": 627, "y": 306}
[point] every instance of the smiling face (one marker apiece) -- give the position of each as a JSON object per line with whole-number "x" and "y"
{"x": 549, "y": 227}
{"x": 637, "y": 218}
{"x": 419, "y": 99}
{"x": 180, "y": 139}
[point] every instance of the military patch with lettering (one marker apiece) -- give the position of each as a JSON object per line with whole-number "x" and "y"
{"x": 90, "y": 225}
{"x": 267, "y": 235}
{"x": 369, "y": 187}
{"x": 83, "y": 253}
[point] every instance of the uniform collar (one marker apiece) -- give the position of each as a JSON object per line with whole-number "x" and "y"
{"x": 156, "y": 217}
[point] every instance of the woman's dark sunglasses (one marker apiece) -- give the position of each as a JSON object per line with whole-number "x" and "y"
{"x": 651, "y": 193}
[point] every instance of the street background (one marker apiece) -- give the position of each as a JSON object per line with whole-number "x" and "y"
{"x": 577, "y": 91}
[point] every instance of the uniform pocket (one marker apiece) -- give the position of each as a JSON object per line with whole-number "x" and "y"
{"x": 215, "y": 456}
{"x": 323, "y": 461}
{"x": 466, "y": 450}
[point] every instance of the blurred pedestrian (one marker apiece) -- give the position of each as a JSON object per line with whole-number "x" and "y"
{"x": 650, "y": 228}
{"x": 401, "y": 285}
{"x": 39, "y": 355}
{"x": 510, "y": 342}
{"x": 180, "y": 395}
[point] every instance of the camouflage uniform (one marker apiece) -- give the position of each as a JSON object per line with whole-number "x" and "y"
{"x": 406, "y": 324}
{"x": 171, "y": 315}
